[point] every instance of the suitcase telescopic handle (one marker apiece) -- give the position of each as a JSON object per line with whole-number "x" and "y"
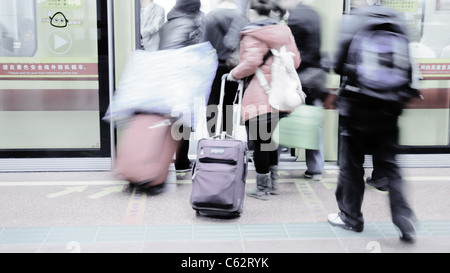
{"x": 223, "y": 135}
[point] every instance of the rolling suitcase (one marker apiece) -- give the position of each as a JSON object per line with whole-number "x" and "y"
{"x": 220, "y": 171}
{"x": 145, "y": 151}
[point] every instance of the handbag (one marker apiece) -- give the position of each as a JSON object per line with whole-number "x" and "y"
{"x": 301, "y": 129}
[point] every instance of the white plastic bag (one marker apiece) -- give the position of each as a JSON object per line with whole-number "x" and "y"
{"x": 165, "y": 82}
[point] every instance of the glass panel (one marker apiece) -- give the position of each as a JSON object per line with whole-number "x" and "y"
{"x": 49, "y": 76}
{"x": 17, "y": 28}
{"x": 425, "y": 123}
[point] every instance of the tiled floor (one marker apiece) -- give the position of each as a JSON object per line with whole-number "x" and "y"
{"x": 96, "y": 212}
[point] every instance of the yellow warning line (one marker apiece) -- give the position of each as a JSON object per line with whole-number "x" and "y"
{"x": 135, "y": 209}
{"x": 62, "y": 183}
{"x": 185, "y": 181}
{"x": 312, "y": 202}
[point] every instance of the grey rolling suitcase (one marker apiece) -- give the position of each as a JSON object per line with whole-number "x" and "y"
{"x": 220, "y": 170}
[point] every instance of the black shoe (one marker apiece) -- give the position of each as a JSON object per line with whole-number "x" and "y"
{"x": 152, "y": 190}
{"x": 406, "y": 227}
{"x": 155, "y": 190}
{"x": 185, "y": 167}
{"x": 379, "y": 184}
{"x": 313, "y": 176}
{"x": 335, "y": 220}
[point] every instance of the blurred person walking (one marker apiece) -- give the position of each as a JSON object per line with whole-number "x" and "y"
{"x": 373, "y": 59}
{"x": 257, "y": 39}
{"x": 222, "y": 28}
{"x": 152, "y": 19}
{"x": 304, "y": 23}
{"x": 183, "y": 28}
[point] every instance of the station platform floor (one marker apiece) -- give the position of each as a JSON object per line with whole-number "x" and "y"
{"x": 95, "y": 212}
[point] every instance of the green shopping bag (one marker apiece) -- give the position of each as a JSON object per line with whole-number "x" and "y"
{"x": 301, "y": 128}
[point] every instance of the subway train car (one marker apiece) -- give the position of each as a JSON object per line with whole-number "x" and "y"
{"x": 61, "y": 61}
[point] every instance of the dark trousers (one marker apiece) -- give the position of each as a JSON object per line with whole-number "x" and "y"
{"x": 182, "y": 155}
{"x": 266, "y": 152}
{"x": 213, "y": 102}
{"x": 357, "y": 139}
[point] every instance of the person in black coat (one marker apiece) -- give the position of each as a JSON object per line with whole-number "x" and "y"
{"x": 183, "y": 28}
{"x": 222, "y": 28}
{"x": 367, "y": 125}
{"x": 305, "y": 25}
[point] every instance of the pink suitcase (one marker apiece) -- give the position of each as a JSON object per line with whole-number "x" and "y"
{"x": 145, "y": 151}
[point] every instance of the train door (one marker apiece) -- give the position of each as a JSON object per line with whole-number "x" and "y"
{"x": 54, "y": 85}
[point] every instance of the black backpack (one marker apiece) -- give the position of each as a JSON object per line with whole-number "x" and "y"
{"x": 379, "y": 61}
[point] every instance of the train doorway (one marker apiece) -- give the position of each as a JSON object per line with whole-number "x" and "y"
{"x": 55, "y": 85}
